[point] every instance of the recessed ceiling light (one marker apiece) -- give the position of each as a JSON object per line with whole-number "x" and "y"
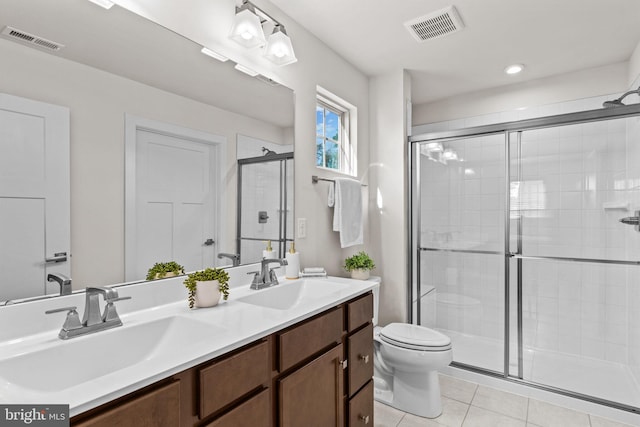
{"x": 514, "y": 69}
{"x": 107, "y": 4}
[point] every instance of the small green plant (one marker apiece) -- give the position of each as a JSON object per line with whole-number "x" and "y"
{"x": 160, "y": 270}
{"x": 361, "y": 260}
{"x": 205, "y": 275}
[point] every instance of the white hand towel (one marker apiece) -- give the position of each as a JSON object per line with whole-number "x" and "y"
{"x": 347, "y": 211}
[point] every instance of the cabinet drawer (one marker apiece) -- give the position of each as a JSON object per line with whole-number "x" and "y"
{"x": 232, "y": 377}
{"x": 304, "y": 340}
{"x": 360, "y": 356}
{"x": 255, "y": 412}
{"x": 361, "y": 408}
{"x": 157, "y": 408}
{"x": 359, "y": 312}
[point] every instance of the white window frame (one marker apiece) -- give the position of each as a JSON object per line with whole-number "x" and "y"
{"x": 347, "y": 161}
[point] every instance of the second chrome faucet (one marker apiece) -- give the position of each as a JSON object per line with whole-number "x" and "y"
{"x": 266, "y": 276}
{"x": 92, "y": 320}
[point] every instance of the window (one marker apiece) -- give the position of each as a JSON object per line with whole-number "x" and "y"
{"x": 335, "y": 138}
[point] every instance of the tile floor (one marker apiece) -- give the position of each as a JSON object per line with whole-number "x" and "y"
{"x": 467, "y": 404}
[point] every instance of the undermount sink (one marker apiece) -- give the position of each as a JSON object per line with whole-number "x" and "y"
{"x": 82, "y": 359}
{"x": 287, "y": 295}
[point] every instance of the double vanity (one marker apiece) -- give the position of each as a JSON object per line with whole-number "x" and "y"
{"x": 298, "y": 353}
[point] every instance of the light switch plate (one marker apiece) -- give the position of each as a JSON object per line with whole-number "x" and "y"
{"x": 302, "y": 228}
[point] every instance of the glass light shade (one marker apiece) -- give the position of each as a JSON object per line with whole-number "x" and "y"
{"x": 247, "y": 29}
{"x": 279, "y": 49}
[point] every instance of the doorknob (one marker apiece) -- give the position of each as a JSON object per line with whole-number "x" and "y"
{"x": 57, "y": 257}
{"x": 632, "y": 220}
{"x": 209, "y": 242}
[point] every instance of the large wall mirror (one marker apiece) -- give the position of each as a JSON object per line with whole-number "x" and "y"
{"x": 152, "y": 125}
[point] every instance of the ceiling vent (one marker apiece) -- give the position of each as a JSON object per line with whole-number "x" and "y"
{"x": 24, "y": 37}
{"x": 437, "y": 24}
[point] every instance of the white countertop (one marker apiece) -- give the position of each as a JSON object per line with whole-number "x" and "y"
{"x": 228, "y": 326}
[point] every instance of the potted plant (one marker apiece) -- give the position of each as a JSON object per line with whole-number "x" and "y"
{"x": 359, "y": 265}
{"x": 206, "y": 286}
{"x": 161, "y": 270}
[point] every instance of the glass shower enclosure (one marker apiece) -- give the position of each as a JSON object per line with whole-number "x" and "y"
{"x": 265, "y": 205}
{"x": 526, "y": 250}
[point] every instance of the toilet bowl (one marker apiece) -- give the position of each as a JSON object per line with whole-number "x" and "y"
{"x": 406, "y": 362}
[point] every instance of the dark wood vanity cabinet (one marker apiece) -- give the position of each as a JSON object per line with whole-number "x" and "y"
{"x": 315, "y": 373}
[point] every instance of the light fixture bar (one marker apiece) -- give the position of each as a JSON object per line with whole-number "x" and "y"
{"x": 214, "y": 54}
{"x": 248, "y": 71}
{"x": 103, "y": 3}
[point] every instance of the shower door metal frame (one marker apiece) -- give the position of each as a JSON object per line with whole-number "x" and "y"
{"x": 508, "y": 129}
{"x": 283, "y": 194}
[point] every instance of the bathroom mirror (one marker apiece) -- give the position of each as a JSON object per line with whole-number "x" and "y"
{"x": 113, "y": 66}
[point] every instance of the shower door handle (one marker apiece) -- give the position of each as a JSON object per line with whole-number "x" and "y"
{"x": 632, "y": 220}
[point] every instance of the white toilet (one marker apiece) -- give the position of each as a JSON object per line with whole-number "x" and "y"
{"x": 406, "y": 363}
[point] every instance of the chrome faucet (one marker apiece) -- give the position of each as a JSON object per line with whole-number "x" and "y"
{"x": 93, "y": 320}
{"x": 63, "y": 281}
{"x": 235, "y": 258}
{"x": 266, "y": 276}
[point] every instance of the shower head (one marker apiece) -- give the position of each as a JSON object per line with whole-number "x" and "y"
{"x": 618, "y": 102}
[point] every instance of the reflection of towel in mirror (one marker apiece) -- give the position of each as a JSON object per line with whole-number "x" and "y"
{"x": 345, "y": 195}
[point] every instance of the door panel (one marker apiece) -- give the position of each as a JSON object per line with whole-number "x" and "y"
{"x": 175, "y": 202}
{"x": 34, "y": 195}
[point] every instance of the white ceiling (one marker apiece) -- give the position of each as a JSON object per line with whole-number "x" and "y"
{"x": 123, "y": 43}
{"x": 548, "y": 36}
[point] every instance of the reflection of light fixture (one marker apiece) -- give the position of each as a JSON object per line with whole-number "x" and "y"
{"x": 246, "y": 70}
{"x": 103, "y": 3}
{"x": 449, "y": 154}
{"x": 514, "y": 69}
{"x": 247, "y": 28}
{"x": 279, "y": 49}
{"x": 214, "y": 54}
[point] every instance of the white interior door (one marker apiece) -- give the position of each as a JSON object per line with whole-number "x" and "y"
{"x": 34, "y": 196}
{"x": 175, "y": 212}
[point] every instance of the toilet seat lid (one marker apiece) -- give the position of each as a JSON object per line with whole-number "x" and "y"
{"x": 414, "y": 337}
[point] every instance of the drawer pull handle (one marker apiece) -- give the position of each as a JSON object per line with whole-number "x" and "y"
{"x": 364, "y": 418}
{"x": 365, "y": 358}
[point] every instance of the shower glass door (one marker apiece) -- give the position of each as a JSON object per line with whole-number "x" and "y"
{"x": 526, "y": 243}
{"x": 265, "y": 205}
{"x": 574, "y": 267}
{"x": 461, "y": 253}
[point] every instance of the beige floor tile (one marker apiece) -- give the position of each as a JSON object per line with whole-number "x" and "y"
{"x": 603, "y": 422}
{"x": 544, "y": 414}
{"x": 457, "y": 389}
{"x": 386, "y": 416}
{"x": 453, "y": 413}
{"x": 478, "y": 417}
{"x": 509, "y": 404}
{"x": 410, "y": 420}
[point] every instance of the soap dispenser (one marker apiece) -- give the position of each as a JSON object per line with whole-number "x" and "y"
{"x": 293, "y": 263}
{"x": 268, "y": 252}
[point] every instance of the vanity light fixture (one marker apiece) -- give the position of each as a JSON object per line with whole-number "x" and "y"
{"x": 103, "y": 3}
{"x": 248, "y": 71}
{"x": 214, "y": 54}
{"x": 279, "y": 49}
{"x": 514, "y": 69}
{"x": 247, "y": 27}
{"x": 247, "y": 30}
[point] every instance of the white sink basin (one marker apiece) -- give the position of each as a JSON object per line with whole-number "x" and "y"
{"x": 287, "y": 295}
{"x": 82, "y": 359}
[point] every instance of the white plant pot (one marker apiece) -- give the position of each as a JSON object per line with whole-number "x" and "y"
{"x": 360, "y": 274}
{"x": 207, "y": 293}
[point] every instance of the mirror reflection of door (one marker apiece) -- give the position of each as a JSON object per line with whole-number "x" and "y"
{"x": 34, "y": 196}
{"x": 174, "y": 211}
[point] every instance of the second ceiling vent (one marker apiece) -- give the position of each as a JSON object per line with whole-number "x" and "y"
{"x": 437, "y": 24}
